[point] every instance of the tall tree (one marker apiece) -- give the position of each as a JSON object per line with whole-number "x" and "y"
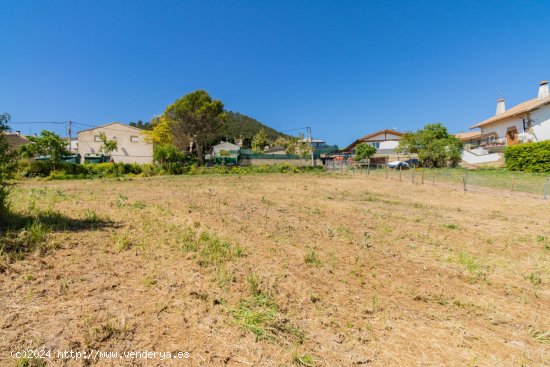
{"x": 433, "y": 144}
{"x": 198, "y": 117}
{"x": 142, "y": 125}
{"x": 259, "y": 142}
{"x": 161, "y": 132}
{"x": 47, "y": 143}
{"x": 7, "y": 163}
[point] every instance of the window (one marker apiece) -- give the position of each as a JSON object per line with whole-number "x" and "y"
{"x": 134, "y": 139}
{"x": 96, "y": 138}
{"x": 376, "y": 145}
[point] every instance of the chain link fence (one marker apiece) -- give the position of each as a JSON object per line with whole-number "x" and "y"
{"x": 468, "y": 180}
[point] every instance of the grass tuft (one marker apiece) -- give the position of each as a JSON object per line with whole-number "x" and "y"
{"x": 303, "y": 359}
{"x": 312, "y": 259}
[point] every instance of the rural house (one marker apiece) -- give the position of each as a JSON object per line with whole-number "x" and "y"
{"x": 469, "y": 138}
{"x": 132, "y": 145}
{"x": 72, "y": 144}
{"x": 385, "y": 141}
{"x": 15, "y": 140}
{"x": 526, "y": 122}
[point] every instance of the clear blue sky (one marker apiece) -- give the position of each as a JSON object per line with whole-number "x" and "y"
{"x": 346, "y": 68}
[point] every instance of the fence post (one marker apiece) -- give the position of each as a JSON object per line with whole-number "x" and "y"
{"x": 546, "y": 189}
{"x": 368, "y": 169}
{"x": 464, "y": 179}
{"x": 400, "y": 174}
{"x": 412, "y": 176}
{"x": 433, "y": 177}
{"x": 386, "y": 170}
{"x": 422, "y": 179}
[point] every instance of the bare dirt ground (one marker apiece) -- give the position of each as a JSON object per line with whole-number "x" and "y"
{"x": 277, "y": 270}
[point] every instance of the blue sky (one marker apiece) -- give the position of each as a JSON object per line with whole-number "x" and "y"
{"x": 345, "y": 68}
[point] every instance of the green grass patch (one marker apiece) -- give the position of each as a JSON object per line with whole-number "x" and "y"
{"x": 312, "y": 259}
{"x": 303, "y": 359}
{"x": 209, "y": 249}
{"x": 260, "y": 315}
{"x": 471, "y": 264}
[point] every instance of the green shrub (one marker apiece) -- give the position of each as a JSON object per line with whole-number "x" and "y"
{"x": 64, "y": 171}
{"x": 528, "y": 157}
{"x": 45, "y": 168}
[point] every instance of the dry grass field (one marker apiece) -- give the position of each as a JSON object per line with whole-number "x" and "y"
{"x": 280, "y": 270}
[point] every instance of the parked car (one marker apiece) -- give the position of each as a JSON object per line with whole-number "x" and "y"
{"x": 398, "y": 165}
{"x": 413, "y": 162}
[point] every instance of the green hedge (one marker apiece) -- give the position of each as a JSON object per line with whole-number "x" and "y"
{"x": 58, "y": 170}
{"x": 528, "y": 157}
{"x": 64, "y": 171}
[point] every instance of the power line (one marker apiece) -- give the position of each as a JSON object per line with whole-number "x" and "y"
{"x": 68, "y": 123}
{"x": 39, "y": 122}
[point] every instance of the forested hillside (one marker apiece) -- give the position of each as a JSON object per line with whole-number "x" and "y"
{"x": 245, "y": 127}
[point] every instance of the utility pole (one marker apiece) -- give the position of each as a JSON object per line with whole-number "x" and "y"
{"x": 69, "y": 130}
{"x": 311, "y": 145}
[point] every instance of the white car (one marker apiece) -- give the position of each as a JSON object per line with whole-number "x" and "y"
{"x": 398, "y": 165}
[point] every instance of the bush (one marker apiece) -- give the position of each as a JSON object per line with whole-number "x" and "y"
{"x": 528, "y": 157}
{"x": 65, "y": 171}
{"x": 44, "y": 168}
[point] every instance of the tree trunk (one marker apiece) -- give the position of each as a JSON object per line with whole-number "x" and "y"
{"x": 199, "y": 152}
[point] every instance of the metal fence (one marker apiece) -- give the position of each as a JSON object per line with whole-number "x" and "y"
{"x": 468, "y": 180}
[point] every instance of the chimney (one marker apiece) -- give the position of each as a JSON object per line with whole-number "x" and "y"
{"x": 543, "y": 90}
{"x": 501, "y": 107}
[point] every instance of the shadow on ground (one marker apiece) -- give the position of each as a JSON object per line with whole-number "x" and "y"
{"x": 21, "y": 234}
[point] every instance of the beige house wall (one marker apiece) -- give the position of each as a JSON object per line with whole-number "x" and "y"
{"x": 132, "y": 146}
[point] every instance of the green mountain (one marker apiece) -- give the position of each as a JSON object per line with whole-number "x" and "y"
{"x": 240, "y": 126}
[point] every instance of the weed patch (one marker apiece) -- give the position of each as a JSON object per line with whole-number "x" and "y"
{"x": 260, "y": 315}
{"x": 472, "y": 265}
{"x": 209, "y": 248}
{"x": 312, "y": 259}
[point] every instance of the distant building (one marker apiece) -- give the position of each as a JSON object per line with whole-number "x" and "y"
{"x": 15, "y": 140}
{"x": 132, "y": 145}
{"x": 72, "y": 144}
{"x": 315, "y": 143}
{"x": 224, "y": 153}
{"x": 385, "y": 141}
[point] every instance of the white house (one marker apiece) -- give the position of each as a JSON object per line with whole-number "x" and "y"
{"x": 315, "y": 143}
{"x": 527, "y": 121}
{"x": 132, "y": 145}
{"x": 385, "y": 141}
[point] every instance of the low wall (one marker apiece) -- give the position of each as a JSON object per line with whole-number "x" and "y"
{"x": 491, "y": 159}
{"x": 270, "y": 162}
